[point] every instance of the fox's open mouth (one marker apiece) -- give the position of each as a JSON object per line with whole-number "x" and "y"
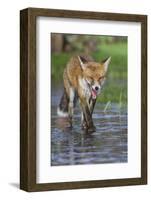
{"x": 93, "y": 93}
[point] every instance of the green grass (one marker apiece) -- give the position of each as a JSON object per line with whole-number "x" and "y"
{"x": 118, "y": 53}
{"x": 115, "y": 88}
{"x": 114, "y": 92}
{"x": 58, "y": 63}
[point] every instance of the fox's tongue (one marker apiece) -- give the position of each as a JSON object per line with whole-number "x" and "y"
{"x": 94, "y": 94}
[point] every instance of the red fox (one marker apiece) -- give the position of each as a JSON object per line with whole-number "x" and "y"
{"x": 83, "y": 79}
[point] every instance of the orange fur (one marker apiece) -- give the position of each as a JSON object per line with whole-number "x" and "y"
{"x": 83, "y": 78}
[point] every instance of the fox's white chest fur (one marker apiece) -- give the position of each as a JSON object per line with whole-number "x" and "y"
{"x": 84, "y": 87}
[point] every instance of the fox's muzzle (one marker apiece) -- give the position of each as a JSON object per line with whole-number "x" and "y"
{"x": 95, "y": 90}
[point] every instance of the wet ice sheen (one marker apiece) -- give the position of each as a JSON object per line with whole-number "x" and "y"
{"x": 72, "y": 146}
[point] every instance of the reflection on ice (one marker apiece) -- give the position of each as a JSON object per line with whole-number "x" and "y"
{"x": 71, "y": 146}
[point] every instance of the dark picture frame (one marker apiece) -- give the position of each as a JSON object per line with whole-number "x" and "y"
{"x": 28, "y": 98}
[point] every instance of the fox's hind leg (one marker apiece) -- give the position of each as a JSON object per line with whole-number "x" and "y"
{"x": 68, "y": 99}
{"x": 71, "y": 104}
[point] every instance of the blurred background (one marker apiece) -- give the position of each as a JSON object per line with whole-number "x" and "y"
{"x": 63, "y": 46}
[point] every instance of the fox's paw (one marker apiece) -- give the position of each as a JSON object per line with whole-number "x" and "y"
{"x": 88, "y": 129}
{"x": 91, "y": 129}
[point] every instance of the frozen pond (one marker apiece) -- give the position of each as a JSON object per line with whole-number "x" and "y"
{"x": 72, "y": 146}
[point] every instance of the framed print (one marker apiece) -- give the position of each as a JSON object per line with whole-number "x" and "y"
{"x": 83, "y": 99}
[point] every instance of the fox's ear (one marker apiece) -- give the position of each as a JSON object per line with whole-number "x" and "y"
{"x": 106, "y": 63}
{"x": 82, "y": 61}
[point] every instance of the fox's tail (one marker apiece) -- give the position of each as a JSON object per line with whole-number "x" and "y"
{"x": 62, "y": 110}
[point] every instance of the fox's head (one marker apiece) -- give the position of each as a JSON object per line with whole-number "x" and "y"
{"x": 94, "y": 74}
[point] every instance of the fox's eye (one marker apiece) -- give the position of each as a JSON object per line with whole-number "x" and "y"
{"x": 89, "y": 80}
{"x": 101, "y": 78}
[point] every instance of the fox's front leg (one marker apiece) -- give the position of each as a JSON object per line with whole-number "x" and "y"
{"x": 87, "y": 117}
{"x": 91, "y": 105}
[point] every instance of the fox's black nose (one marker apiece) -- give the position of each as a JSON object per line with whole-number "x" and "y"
{"x": 96, "y": 88}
